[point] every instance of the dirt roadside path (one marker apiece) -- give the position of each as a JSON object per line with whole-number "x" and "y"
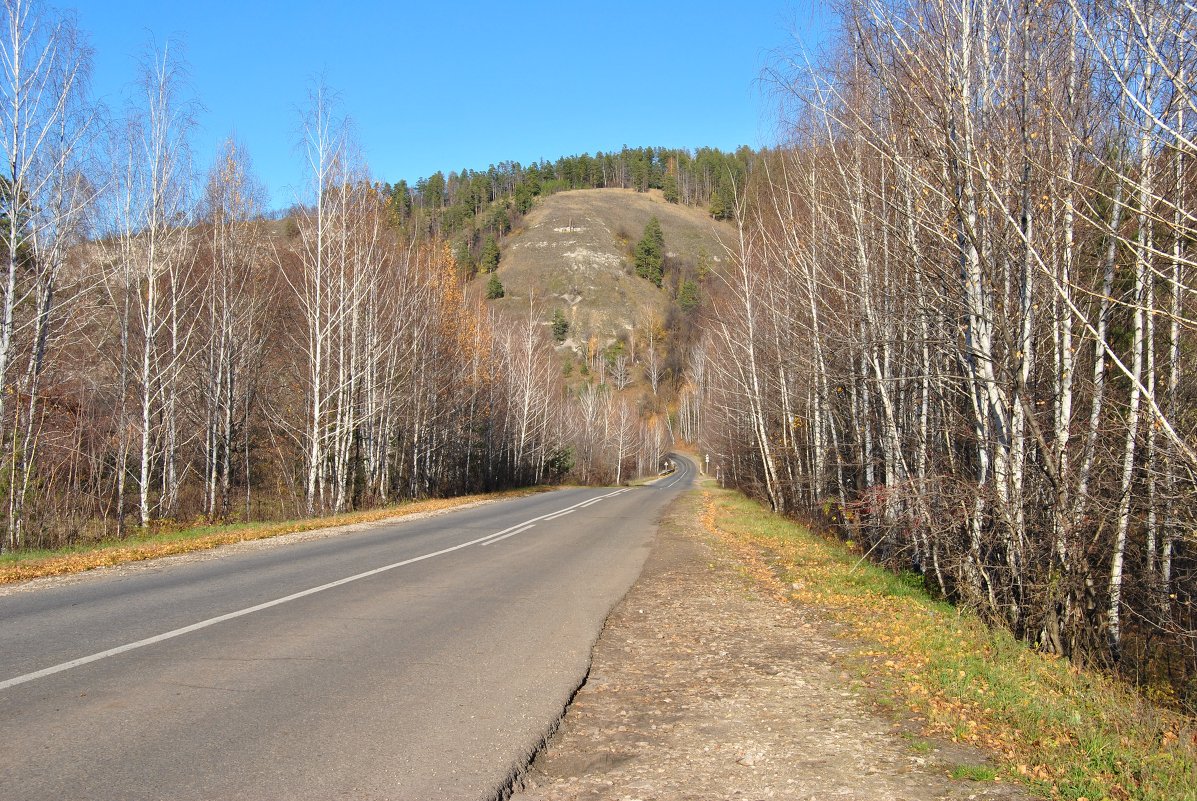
{"x": 703, "y": 687}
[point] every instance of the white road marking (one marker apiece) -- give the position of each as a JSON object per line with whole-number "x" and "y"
{"x": 499, "y": 535}
{"x": 561, "y": 514}
{"x": 212, "y": 621}
{"x": 504, "y": 531}
{"x": 511, "y": 534}
{"x": 681, "y": 474}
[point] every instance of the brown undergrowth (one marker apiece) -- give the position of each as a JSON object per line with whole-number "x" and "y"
{"x": 25, "y": 565}
{"x": 1066, "y": 732}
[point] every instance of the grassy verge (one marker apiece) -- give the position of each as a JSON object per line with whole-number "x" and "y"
{"x": 1067, "y": 733}
{"x": 23, "y": 565}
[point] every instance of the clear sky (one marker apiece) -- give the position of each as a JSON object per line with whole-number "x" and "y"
{"x": 452, "y": 85}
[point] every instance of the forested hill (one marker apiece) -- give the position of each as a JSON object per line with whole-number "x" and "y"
{"x": 475, "y": 209}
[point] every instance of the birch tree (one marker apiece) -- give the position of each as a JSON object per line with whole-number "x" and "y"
{"x": 958, "y": 310}
{"x": 46, "y": 124}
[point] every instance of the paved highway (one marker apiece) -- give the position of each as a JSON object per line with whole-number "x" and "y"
{"x": 417, "y": 660}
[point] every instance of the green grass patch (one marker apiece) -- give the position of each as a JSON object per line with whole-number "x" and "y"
{"x": 921, "y": 747}
{"x": 974, "y": 773}
{"x": 1066, "y": 732}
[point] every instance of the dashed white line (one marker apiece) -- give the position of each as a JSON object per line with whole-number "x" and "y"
{"x": 504, "y": 531}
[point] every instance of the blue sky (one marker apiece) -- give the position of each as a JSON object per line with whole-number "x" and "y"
{"x": 452, "y": 85}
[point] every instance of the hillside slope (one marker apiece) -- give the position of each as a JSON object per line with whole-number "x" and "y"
{"x": 574, "y": 252}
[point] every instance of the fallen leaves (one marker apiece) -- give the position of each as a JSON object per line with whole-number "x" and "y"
{"x": 1069, "y": 733}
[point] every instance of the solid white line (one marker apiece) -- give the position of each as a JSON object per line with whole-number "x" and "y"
{"x": 561, "y": 514}
{"x": 212, "y": 621}
{"x": 509, "y": 528}
{"x": 203, "y": 624}
{"x": 677, "y": 477}
{"x": 512, "y": 534}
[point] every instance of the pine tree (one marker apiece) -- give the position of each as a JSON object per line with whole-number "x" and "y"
{"x": 650, "y": 253}
{"x": 488, "y": 262}
{"x": 688, "y": 296}
{"x": 494, "y": 288}
{"x": 669, "y": 186}
{"x": 465, "y": 260}
{"x": 704, "y": 264}
{"x": 560, "y": 326}
{"x": 523, "y": 198}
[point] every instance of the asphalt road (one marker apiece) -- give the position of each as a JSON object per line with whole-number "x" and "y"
{"x": 417, "y": 660}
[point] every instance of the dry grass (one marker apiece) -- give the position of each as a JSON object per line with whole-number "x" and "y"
{"x": 573, "y": 255}
{"x": 25, "y": 565}
{"x": 1068, "y": 733}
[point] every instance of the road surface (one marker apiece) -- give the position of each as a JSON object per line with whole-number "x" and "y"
{"x": 417, "y": 660}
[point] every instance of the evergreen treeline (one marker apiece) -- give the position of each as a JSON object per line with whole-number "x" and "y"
{"x": 476, "y": 208}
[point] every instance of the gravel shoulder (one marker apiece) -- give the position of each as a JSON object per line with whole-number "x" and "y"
{"x": 704, "y": 686}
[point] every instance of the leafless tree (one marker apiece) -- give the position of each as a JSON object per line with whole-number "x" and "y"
{"x": 45, "y": 124}
{"x": 960, "y": 283}
{"x": 621, "y": 373}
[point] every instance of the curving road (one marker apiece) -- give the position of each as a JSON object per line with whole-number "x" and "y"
{"x": 417, "y": 660}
